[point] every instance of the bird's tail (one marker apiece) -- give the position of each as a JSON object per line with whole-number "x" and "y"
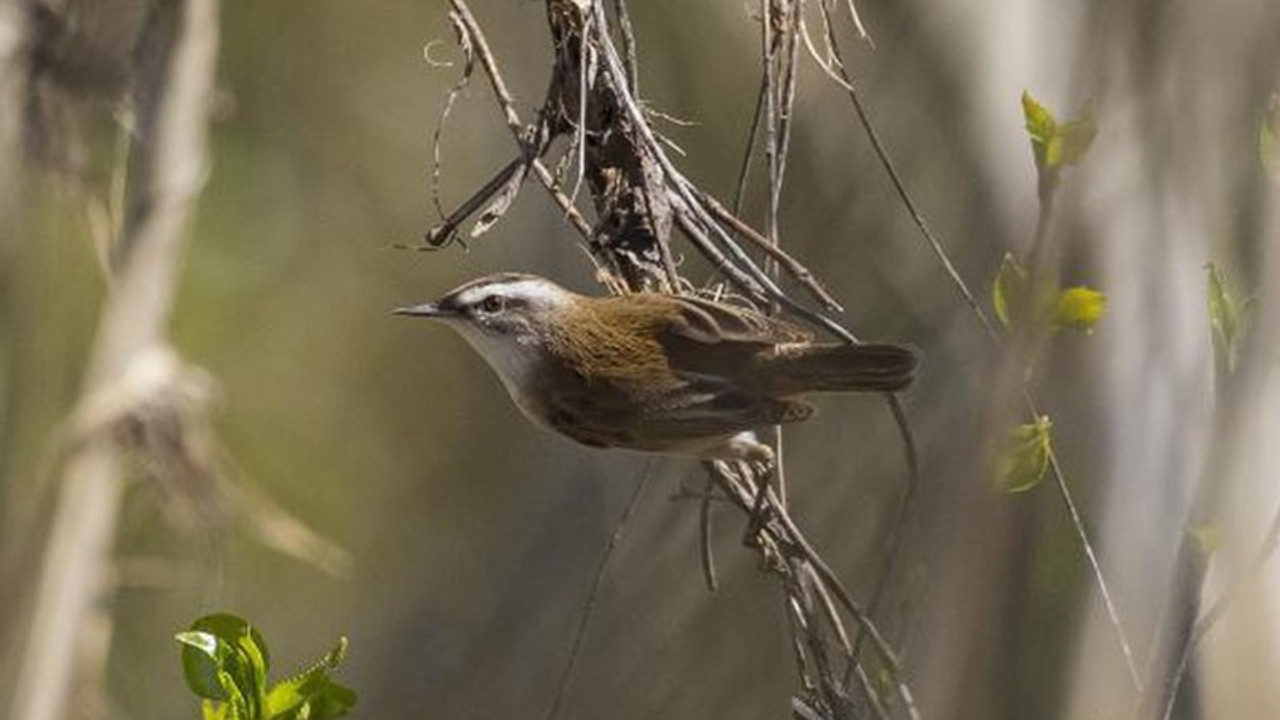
{"x": 869, "y": 367}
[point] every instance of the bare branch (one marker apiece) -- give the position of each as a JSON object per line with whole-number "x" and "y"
{"x": 584, "y": 619}
{"x": 172, "y": 168}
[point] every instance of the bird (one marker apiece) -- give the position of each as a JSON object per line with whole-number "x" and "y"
{"x": 673, "y": 374}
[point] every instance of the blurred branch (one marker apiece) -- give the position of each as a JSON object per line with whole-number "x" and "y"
{"x": 1216, "y": 611}
{"x": 593, "y": 593}
{"x": 171, "y": 167}
{"x": 13, "y": 80}
{"x": 1242, "y": 368}
{"x": 838, "y": 72}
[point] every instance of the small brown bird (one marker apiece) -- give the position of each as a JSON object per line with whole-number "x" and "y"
{"x": 674, "y": 374}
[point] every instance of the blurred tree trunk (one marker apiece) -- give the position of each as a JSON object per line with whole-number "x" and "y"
{"x": 172, "y": 86}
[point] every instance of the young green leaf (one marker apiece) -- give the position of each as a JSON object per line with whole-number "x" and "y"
{"x": 1057, "y": 145}
{"x": 312, "y": 694}
{"x": 1040, "y": 126}
{"x": 1023, "y": 457}
{"x": 1079, "y": 309}
{"x": 1075, "y": 136}
{"x": 1009, "y": 292}
{"x": 225, "y": 660}
{"x": 1040, "y": 122}
{"x": 203, "y": 657}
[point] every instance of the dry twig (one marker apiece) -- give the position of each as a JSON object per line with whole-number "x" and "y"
{"x": 639, "y": 195}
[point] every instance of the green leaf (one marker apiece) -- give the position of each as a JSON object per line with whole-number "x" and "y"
{"x": 1074, "y": 138}
{"x": 1268, "y": 142}
{"x": 1225, "y": 320}
{"x": 1040, "y": 126}
{"x": 203, "y": 656}
{"x": 1023, "y": 457}
{"x": 333, "y": 701}
{"x": 288, "y": 695}
{"x": 1009, "y": 292}
{"x": 225, "y": 659}
{"x": 1040, "y": 122}
{"x": 312, "y": 694}
{"x": 1057, "y": 145}
{"x": 1079, "y": 309}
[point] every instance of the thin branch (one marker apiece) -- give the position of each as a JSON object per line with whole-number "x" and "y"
{"x": 584, "y": 620}
{"x": 793, "y": 266}
{"x": 628, "y": 46}
{"x": 719, "y": 261}
{"x": 704, "y": 536}
{"x": 507, "y": 104}
{"x": 840, "y": 74}
{"x": 450, "y": 99}
{"x": 580, "y": 135}
{"x": 799, "y": 628}
{"x": 857, "y": 22}
{"x": 828, "y": 576}
{"x": 448, "y": 226}
{"x": 1095, "y": 567}
{"x": 744, "y": 171}
{"x": 831, "y": 580}
{"x": 768, "y": 55}
{"x": 896, "y": 537}
{"x": 172, "y": 167}
{"x": 1219, "y": 608}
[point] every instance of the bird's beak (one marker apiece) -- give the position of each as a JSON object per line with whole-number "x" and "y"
{"x": 432, "y": 310}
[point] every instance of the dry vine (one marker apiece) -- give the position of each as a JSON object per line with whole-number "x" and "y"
{"x": 639, "y": 195}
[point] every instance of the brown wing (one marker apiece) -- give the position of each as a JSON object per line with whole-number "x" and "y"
{"x": 711, "y": 322}
{"x": 690, "y": 387}
{"x": 711, "y": 346}
{"x": 706, "y": 338}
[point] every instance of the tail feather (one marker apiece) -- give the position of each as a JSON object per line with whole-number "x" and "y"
{"x": 869, "y": 367}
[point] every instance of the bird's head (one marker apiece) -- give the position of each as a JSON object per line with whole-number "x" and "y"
{"x": 503, "y": 316}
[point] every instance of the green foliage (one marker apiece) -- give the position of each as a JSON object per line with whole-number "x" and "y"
{"x": 1009, "y": 291}
{"x": 1057, "y": 145}
{"x": 1079, "y": 309}
{"x": 1023, "y": 458}
{"x": 1268, "y": 140}
{"x": 225, "y": 661}
{"x": 1226, "y": 319}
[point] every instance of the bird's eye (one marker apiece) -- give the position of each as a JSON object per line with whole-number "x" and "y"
{"x": 491, "y": 304}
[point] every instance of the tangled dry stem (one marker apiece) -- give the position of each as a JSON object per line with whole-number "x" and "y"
{"x": 591, "y": 109}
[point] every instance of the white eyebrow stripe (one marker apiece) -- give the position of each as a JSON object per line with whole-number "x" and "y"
{"x": 532, "y": 290}
{"x": 472, "y": 295}
{"x": 528, "y": 290}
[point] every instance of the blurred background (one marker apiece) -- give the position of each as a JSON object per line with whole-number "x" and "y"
{"x": 473, "y": 537}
